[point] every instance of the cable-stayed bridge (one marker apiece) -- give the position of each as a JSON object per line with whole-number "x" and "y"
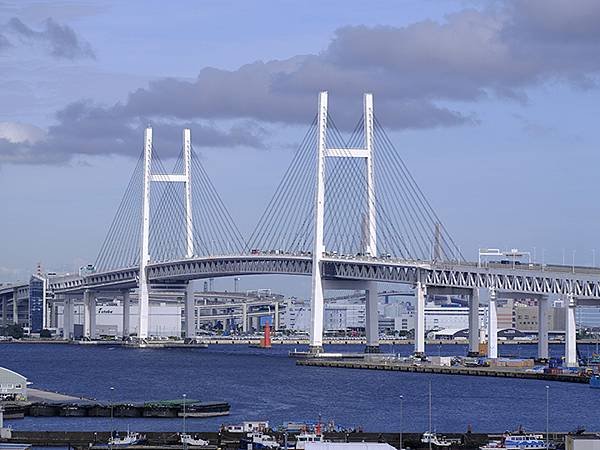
{"x": 347, "y": 213}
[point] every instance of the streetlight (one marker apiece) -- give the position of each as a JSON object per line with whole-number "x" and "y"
{"x": 547, "y": 415}
{"x": 184, "y": 397}
{"x": 112, "y": 428}
{"x": 401, "y": 402}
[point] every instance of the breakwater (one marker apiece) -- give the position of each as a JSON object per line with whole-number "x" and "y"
{"x": 446, "y": 370}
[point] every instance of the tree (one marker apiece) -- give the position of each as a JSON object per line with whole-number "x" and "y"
{"x": 14, "y": 330}
{"x": 45, "y": 333}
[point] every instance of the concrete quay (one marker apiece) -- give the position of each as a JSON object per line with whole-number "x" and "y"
{"x": 169, "y": 440}
{"x": 385, "y": 364}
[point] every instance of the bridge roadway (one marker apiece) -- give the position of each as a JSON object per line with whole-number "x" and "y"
{"x": 579, "y": 282}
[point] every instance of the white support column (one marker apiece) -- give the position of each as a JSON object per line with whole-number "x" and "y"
{"x": 372, "y": 322}
{"x": 4, "y": 311}
{"x": 143, "y": 295}
{"x": 276, "y": 318}
{"x": 126, "y": 313}
{"x": 68, "y": 317}
{"x": 244, "y": 317}
{"x": 15, "y": 306}
{"x": 492, "y": 349}
{"x": 87, "y": 314}
{"x": 369, "y": 144}
{"x": 474, "y": 323}
{"x": 570, "y": 332}
{"x": 317, "y": 302}
{"x": 93, "y": 331}
{"x": 187, "y": 172}
{"x": 420, "y": 294}
{"x": 190, "y": 311}
{"x": 543, "y": 328}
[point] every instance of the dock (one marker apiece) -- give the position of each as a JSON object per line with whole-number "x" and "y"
{"x": 502, "y": 372}
{"x": 230, "y": 441}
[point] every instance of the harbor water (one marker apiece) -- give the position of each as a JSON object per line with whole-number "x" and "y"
{"x": 263, "y": 384}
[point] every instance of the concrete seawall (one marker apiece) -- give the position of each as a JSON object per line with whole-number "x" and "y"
{"x": 447, "y": 370}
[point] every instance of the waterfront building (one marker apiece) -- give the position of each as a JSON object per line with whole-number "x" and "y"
{"x": 13, "y": 386}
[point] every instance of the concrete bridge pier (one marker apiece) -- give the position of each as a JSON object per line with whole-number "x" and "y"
{"x": 244, "y": 317}
{"x": 190, "y": 311}
{"x": 89, "y": 314}
{"x": 492, "y": 350}
{"x": 543, "y": 328}
{"x": 372, "y": 319}
{"x": 420, "y": 296}
{"x": 4, "y": 311}
{"x": 126, "y": 313}
{"x": 68, "y": 329}
{"x": 15, "y": 307}
{"x": 474, "y": 323}
{"x": 570, "y": 332}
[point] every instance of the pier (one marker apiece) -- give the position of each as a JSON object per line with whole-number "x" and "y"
{"x": 384, "y": 364}
{"x": 170, "y": 440}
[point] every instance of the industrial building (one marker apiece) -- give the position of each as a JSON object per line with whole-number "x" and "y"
{"x": 13, "y": 386}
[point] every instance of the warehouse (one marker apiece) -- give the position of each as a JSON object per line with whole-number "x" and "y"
{"x": 12, "y": 385}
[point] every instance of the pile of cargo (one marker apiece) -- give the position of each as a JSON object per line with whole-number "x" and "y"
{"x": 512, "y": 363}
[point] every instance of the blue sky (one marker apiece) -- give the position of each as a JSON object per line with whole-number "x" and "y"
{"x": 493, "y": 106}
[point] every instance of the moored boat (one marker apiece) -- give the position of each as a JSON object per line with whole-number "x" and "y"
{"x": 595, "y": 381}
{"x": 131, "y": 438}
{"x": 435, "y": 439}
{"x": 192, "y": 441}
{"x": 519, "y": 441}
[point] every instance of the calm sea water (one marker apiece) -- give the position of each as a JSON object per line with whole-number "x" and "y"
{"x": 267, "y": 385}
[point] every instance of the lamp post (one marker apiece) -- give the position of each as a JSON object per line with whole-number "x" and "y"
{"x": 547, "y": 415}
{"x": 184, "y": 398}
{"x": 112, "y": 428}
{"x": 401, "y": 417}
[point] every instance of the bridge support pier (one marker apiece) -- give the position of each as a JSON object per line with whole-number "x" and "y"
{"x": 492, "y": 350}
{"x": 190, "y": 311}
{"x": 68, "y": 317}
{"x": 420, "y": 296}
{"x": 542, "y": 353}
{"x": 372, "y": 319}
{"x": 474, "y": 323}
{"x": 15, "y": 307}
{"x": 89, "y": 315}
{"x": 4, "y": 311}
{"x": 276, "y": 318}
{"x": 244, "y": 317}
{"x": 570, "y": 332}
{"x": 126, "y": 313}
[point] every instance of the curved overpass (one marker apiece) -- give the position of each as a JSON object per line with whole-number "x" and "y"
{"x": 527, "y": 279}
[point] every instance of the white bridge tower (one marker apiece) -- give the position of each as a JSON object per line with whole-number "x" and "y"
{"x": 149, "y": 178}
{"x": 370, "y": 240}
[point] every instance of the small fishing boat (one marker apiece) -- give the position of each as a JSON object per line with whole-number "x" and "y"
{"x": 131, "y": 438}
{"x": 595, "y": 381}
{"x": 192, "y": 441}
{"x": 519, "y": 441}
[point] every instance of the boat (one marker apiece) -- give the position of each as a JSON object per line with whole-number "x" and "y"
{"x": 305, "y": 437}
{"x": 595, "y": 381}
{"x": 192, "y": 441}
{"x": 519, "y": 441}
{"x": 258, "y": 440}
{"x": 435, "y": 439}
{"x": 131, "y": 438}
{"x": 14, "y": 446}
{"x": 431, "y": 437}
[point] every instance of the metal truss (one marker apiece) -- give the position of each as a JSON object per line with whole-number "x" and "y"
{"x": 526, "y": 281}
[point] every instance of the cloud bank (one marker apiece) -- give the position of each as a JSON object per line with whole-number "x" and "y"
{"x": 60, "y": 41}
{"x": 414, "y": 71}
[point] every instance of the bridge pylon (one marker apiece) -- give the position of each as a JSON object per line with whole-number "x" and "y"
{"x": 148, "y": 179}
{"x": 369, "y": 238}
